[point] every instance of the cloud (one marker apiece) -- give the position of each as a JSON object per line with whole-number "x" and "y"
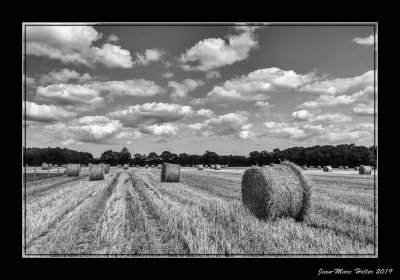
{"x": 60, "y": 76}
{"x": 231, "y": 124}
{"x": 92, "y": 129}
{"x": 213, "y": 53}
{"x": 213, "y": 74}
{"x": 46, "y": 113}
{"x": 205, "y": 113}
{"x": 330, "y": 118}
{"x": 160, "y": 129}
{"x": 168, "y": 75}
{"x": 138, "y": 87}
{"x": 258, "y": 85}
{"x": 74, "y": 44}
{"x": 112, "y": 38}
{"x": 181, "y": 90}
{"x": 302, "y": 115}
{"x": 151, "y": 113}
{"x": 273, "y": 125}
{"x": 364, "y": 109}
{"x": 340, "y": 85}
{"x": 157, "y": 140}
{"x": 198, "y": 101}
{"x": 150, "y": 55}
{"x": 368, "y": 41}
{"x": 30, "y": 82}
{"x": 262, "y": 105}
{"x": 246, "y": 135}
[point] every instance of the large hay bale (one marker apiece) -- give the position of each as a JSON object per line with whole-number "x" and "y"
{"x": 278, "y": 191}
{"x": 217, "y": 167}
{"x": 170, "y": 172}
{"x": 96, "y": 172}
{"x": 46, "y": 166}
{"x": 200, "y": 167}
{"x": 126, "y": 166}
{"x": 327, "y": 168}
{"x": 365, "y": 169}
{"x": 106, "y": 168}
{"x": 73, "y": 170}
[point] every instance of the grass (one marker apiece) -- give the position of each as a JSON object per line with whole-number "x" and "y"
{"x": 135, "y": 213}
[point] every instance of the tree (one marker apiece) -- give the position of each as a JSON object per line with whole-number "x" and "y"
{"x": 166, "y": 156}
{"x": 124, "y": 156}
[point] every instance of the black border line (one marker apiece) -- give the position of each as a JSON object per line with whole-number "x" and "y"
{"x": 374, "y": 255}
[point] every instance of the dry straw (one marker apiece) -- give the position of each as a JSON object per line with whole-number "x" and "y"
{"x": 278, "y": 191}
{"x": 73, "y": 170}
{"x": 365, "y": 169}
{"x": 96, "y": 172}
{"x": 126, "y": 166}
{"x": 217, "y": 167}
{"x": 170, "y": 172}
{"x": 327, "y": 168}
{"x": 200, "y": 167}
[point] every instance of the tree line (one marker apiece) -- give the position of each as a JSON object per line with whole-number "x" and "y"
{"x": 340, "y": 155}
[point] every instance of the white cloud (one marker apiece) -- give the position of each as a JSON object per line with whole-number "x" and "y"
{"x": 73, "y": 44}
{"x": 151, "y": 113}
{"x": 364, "y": 109}
{"x": 138, "y": 87}
{"x": 112, "y": 38}
{"x": 205, "y": 113}
{"x": 46, "y": 113}
{"x": 368, "y": 41}
{"x": 258, "y": 85}
{"x": 212, "y": 53}
{"x": 160, "y": 129}
{"x": 340, "y": 85}
{"x": 198, "y": 101}
{"x": 330, "y": 118}
{"x": 168, "y": 75}
{"x": 246, "y": 135}
{"x": 263, "y": 105}
{"x": 60, "y": 76}
{"x": 150, "y": 55}
{"x": 213, "y": 74}
{"x": 273, "y": 125}
{"x": 30, "y": 82}
{"x": 181, "y": 90}
{"x": 302, "y": 115}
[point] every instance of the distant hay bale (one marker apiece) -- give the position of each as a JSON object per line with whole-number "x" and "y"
{"x": 365, "y": 169}
{"x": 45, "y": 166}
{"x": 146, "y": 166}
{"x": 152, "y": 166}
{"x": 126, "y": 166}
{"x": 119, "y": 166}
{"x": 106, "y": 168}
{"x": 271, "y": 164}
{"x": 281, "y": 190}
{"x": 96, "y": 172}
{"x": 200, "y": 167}
{"x": 304, "y": 167}
{"x": 73, "y": 170}
{"x": 217, "y": 167}
{"x": 212, "y": 166}
{"x": 170, "y": 172}
{"x": 340, "y": 167}
{"x": 159, "y": 166}
{"x": 327, "y": 168}
{"x": 355, "y": 167}
{"x": 345, "y": 167}
{"x": 226, "y": 166}
{"x": 319, "y": 167}
{"x": 55, "y": 165}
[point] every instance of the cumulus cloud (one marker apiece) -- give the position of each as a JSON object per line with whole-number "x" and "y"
{"x": 258, "y": 85}
{"x": 231, "y": 124}
{"x": 339, "y": 85}
{"x": 168, "y": 75}
{"x": 150, "y": 55}
{"x": 157, "y": 140}
{"x": 212, "y": 53}
{"x": 160, "y": 129}
{"x": 205, "y": 113}
{"x": 151, "y": 114}
{"x": 46, "y": 113}
{"x": 330, "y": 118}
{"x": 112, "y": 38}
{"x": 246, "y": 135}
{"x": 262, "y": 105}
{"x": 92, "y": 129}
{"x": 74, "y": 44}
{"x": 60, "y": 76}
{"x": 198, "y": 101}
{"x": 364, "y": 109}
{"x": 30, "y": 82}
{"x": 180, "y": 91}
{"x": 213, "y": 74}
{"x": 138, "y": 87}
{"x": 368, "y": 41}
{"x": 302, "y": 115}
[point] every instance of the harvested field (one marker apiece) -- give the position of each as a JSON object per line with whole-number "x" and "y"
{"x": 133, "y": 212}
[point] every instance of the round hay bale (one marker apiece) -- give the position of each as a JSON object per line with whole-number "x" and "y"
{"x": 45, "y": 166}
{"x": 200, "y": 167}
{"x": 119, "y": 166}
{"x": 345, "y": 167}
{"x": 278, "y": 191}
{"x": 340, "y": 167}
{"x": 212, "y": 166}
{"x": 96, "y": 172}
{"x": 217, "y": 167}
{"x": 319, "y": 167}
{"x": 356, "y": 168}
{"x": 365, "y": 169}
{"x": 170, "y": 172}
{"x": 126, "y": 166}
{"x": 327, "y": 168}
{"x": 159, "y": 166}
{"x": 106, "y": 168}
{"x": 73, "y": 170}
{"x": 304, "y": 167}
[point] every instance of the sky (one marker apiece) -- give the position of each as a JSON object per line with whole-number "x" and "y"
{"x": 190, "y": 88}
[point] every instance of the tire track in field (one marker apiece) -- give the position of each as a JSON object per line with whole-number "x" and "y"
{"x": 87, "y": 217}
{"x": 164, "y": 242}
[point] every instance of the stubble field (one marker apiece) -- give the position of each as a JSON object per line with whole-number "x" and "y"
{"x": 132, "y": 212}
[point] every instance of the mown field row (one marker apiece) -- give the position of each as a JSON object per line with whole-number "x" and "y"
{"x": 134, "y": 213}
